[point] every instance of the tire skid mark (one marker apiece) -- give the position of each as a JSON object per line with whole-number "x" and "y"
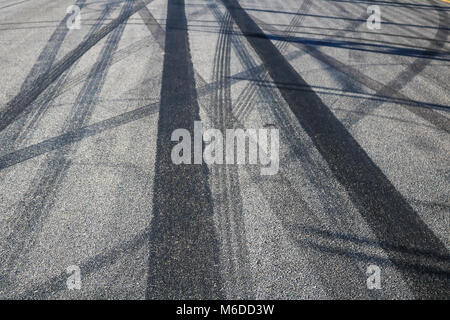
{"x": 90, "y": 266}
{"x": 288, "y": 131}
{"x": 153, "y": 26}
{"x": 312, "y": 171}
{"x": 244, "y": 106}
{"x": 390, "y": 90}
{"x": 226, "y": 115}
{"x": 205, "y": 89}
{"x": 347, "y": 83}
{"x": 78, "y": 78}
{"x": 32, "y": 211}
{"x": 353, "y": 25}
{"x": 385, "y": 210}
{"x": 393, "y": 87}
{"x": 22, "y": 100}
{"x": 41, "y": 67}
{"x": 228, "y": 205}
{"x": 69, "y": 137}
{"x": 399, "y": 25}
{"x": 13, "y": 4}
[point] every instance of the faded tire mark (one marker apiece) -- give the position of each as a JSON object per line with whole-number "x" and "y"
{"x": 19, "y": 103}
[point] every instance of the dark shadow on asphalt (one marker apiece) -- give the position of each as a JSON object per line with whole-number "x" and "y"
{"x": 184, "y": 249}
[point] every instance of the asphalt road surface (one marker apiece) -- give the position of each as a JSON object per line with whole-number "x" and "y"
{"x": 89, "y": 191}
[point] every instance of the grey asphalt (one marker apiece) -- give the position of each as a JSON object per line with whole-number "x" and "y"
{"x": 86, "y": 176}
